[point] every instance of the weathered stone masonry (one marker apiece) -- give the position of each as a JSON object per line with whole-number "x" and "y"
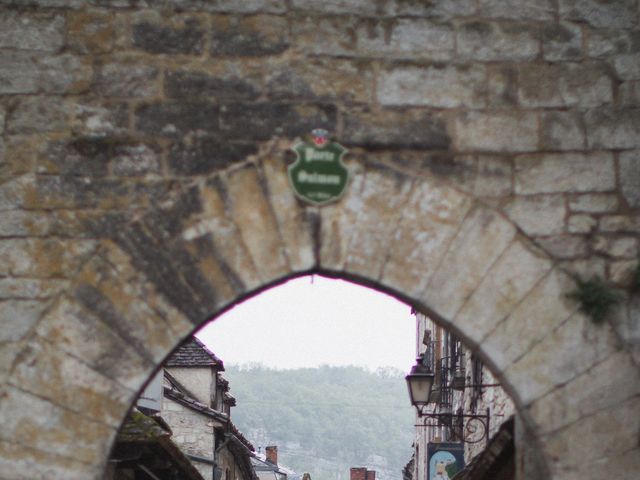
{"x": 494, "y": 148}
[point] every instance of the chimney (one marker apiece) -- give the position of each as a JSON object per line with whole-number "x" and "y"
{"x": 358, "y": 473}
{"x": 272, "y": 454}
{"x": 371, "y": 475}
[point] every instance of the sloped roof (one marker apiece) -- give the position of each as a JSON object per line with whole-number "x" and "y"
{"x": 144, "y": 444}
{"x": 194, "y": 353}
{"x": 241, "y": 437}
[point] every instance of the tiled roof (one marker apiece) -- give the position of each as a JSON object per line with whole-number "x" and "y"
{"x": 241, "y": 437}
{"x": 194, "y": 353}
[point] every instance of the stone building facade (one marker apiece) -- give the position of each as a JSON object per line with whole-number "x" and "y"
{"x": 196, "y": 405}
{"x": 462, "y": 385}
{"x": 493, "y": 150}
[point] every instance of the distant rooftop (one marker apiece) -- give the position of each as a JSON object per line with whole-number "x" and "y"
{"x": 194, "y": 353}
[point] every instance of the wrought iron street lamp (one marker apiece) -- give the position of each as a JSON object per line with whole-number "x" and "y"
{"x": 420, "y": 383}
{"x": 472, "y": 428}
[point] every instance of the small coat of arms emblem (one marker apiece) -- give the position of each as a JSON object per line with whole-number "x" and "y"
{"x": 318, "y": 175}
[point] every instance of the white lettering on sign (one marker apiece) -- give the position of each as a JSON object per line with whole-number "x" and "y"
{"x": 311, "y": 155}
{"x": 320, "y": 178}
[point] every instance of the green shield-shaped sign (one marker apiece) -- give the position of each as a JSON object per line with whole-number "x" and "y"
{"x": 318, "y": 174}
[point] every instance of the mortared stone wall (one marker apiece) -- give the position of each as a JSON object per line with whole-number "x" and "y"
{"x": 495, "y": 152}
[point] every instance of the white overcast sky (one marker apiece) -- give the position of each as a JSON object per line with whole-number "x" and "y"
{"x": 307, "y": 323}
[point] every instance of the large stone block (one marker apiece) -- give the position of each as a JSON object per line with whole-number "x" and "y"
{"x": 611, "y": 14}
{"x": 100, "y": 118}
{"x": 629, "y": 94}
{"x": 616, "y": 247}
{"x": 384, "y": 193}
{"x": 18, "y": 74}
{"x": 263, "y": 121}
{"x": 81, "y": 156}
{"x": 431, "y": 219}
{"x": 178, "y": 119}
{"x": 101, "y": 293}
{"x": 142, "y": 282}
{"x": 620, "y": 223}
{"x": 515, "y": 131}
{"x": 77, "y": 331}
{"x": 295, "y": 224}
{"x": 44, "y": 425}
{"x": 603, "y": 43}
{"x": 538, "y": 215}
{"x": 135, "y": 159}
{"x": 408, "y": 38}
{"x": 564, "y": 354}
{"x": 502, "y": 90}
{"x": 394, "y": 128}
{"x": 338, "y": 221}
{"x": 194, "y": 84}
{"x": 361, "y": 7}
{"x": 18, "y": 317}
{"x": 629, "y": 174}
{"x": 253, "y": 36}
{"x": 613, "y": 128}
{"x": 565, "y": 246}
{"x": 321, "y": 79}
{"x": 494, "y": 178}
{"x": 90, "y": 30}
{"x": 24, "y": 223}
{"x": 217, "y": 227}
{"x": 562, "y": 130}
{"x": 492, "y": 41}
{"x": 561, "y": 41}
{"x": 619, "y": 464}
{"x": 434, "y": 9}
{"x": 64, "y": 74}
{"x": 43, "y": 258}
{"x": 569, "y": 172}
{"x": 253, "y": 214}
{"x": 14, "y": 190}
{"x": 126, "y": 77}
{"x": 544, "y": 308}
{"x": 206, "y": 155}
{"x": 186, "y": 273}
{"x": 25, "y": 30}
{"x": 56, "y": 376}
{"x": 19, "y": 460}
{"x": 564, "y": 85}
{"x": 334, "y": 36}
{"x": 627, "y": 67}
{"x": 581, "y": 224}
{"x": 434, "y": 86}
{"x": 583, "y": 397}
{"x": 517, "y": 9}
{"x": 30, "y": 288}
{"x": 32, "y": 114}
{"x": 246, "y": 6}
{"x": 609, "y": 432}
{"x": 479, "y": 242}
{"x": 183, "y": 35}
{"x": 510, "y": 279}
{"x": 594, "y": 203}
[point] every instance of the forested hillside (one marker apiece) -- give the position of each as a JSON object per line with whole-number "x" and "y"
{"x": 328, "y": 419}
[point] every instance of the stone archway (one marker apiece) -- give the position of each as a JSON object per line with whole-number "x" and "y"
{"x": 493, "y": 149}
{"x": 156, "y": 278}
